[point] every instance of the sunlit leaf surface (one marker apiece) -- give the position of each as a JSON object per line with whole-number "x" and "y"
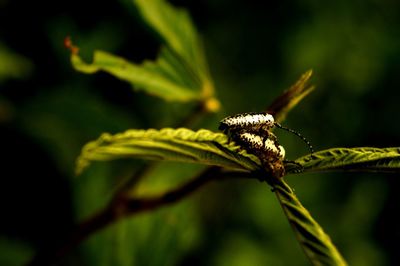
{"x": 366, "y": 159}
{"x": 183, "y": 145}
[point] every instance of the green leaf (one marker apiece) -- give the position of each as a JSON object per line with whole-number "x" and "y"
{"x": 156, "y": 78}
{"x": 14, "y": 252}
{"x": 314, "y": 241}
{"x": 176, "y": 29}
{"x": 366, "y": 159}
{"x": 180, "y": 72}
{"x": 13, "y": 65}
{"x": 182, "y": 145}
{"x": 290, "y": 98}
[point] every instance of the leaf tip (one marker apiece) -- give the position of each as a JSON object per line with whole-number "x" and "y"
{"x": 70, "y": 45}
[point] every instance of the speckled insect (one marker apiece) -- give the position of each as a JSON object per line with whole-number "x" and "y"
{"x": 252, "y": 131}
{"x": 270, "y": 153}
{"x": 258, "y": 144}
{"x": 259, "y": 123}
{"x": 250, "y": 121}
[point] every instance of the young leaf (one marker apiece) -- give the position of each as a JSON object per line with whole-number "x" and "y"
{"x": 290, "y": 98}
{"x": 314, "y": 241}
{"x": 180, "y": 73}
{"x": 160, "y": 78}
{"x": 364, "y": 159}
{"x": 177, "y": 31}
{"x": 183, "y": 145}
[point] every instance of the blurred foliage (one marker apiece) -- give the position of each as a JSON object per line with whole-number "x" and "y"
{"x": 254, "y": 53}
{"x": 14, "y": 252}
{"x": 13, "y": 65}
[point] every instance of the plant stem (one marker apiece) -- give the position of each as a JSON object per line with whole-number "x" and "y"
{"x": 121, "y": 207}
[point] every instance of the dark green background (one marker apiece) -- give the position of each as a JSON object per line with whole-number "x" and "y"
{"x": 255, "y": 51}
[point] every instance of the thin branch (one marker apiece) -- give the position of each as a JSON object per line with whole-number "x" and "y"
{"x": 121, "y": 207}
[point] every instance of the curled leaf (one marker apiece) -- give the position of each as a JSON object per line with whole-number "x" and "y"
{"x": 160, "y": 78}
{"x": 180, "y": 72}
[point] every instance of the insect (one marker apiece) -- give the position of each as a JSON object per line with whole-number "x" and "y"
{"x": 247, "y": 120}
{"x": 270, "y": 153}
{"x": 260, "y": 123}
{"x": 253, "y": 132}
{"x": 263, "y": 148}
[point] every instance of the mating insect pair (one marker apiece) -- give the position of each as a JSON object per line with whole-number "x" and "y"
{"x": 252, "y": 132}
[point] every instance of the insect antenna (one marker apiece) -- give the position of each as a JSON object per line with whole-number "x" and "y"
{"x": 297, "y": 134}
